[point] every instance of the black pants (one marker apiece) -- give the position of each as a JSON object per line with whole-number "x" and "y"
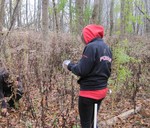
{"x": 86, "y": 111}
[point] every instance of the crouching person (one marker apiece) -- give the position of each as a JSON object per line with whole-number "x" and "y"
{"x": 10, "y": 91}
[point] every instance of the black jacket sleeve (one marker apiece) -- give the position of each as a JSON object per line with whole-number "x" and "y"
{"x": 85, "y": 64}
{"x": 1, "y": 91}
{"x": 4, "y": 104}
{"x": 1, "y": 87}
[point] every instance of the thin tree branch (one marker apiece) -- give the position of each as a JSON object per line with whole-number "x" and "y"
{"x": 142, "y": 12}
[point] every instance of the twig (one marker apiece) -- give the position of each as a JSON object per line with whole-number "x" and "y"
{"x": 136, "y": 85}
{"x": 72, "y": 92}
{"x": 29, "y": 99}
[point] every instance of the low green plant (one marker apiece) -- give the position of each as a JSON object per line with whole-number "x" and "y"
{"x": 121, "y": 59}
{"x": 121, "y": 72}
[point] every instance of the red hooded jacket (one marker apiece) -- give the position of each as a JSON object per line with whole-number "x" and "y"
{"x": 94, "y": 67}
{"x": 91, "y": 32}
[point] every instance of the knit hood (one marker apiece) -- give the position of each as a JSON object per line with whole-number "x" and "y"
{"x": 91, "y": 32}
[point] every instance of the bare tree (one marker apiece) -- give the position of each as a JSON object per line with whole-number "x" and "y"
{"x": 14, "y": 16}
{"x": 122, "y": 13}
{"x": 62, "y": 21}
{"x": 2, "y": 3}
{"x": 45, "y": 4}
{"x": 70, "y": 14}
{"x": 45, "y": 19}
{"x": 19, "y": 14}
{"x": 79, "y": 14}
{"x": 146, "y": 19}
{"x": 145, "y": 12}
{"x": 2, "y": 47}
{"x": 35, "y": 9}
{"x": 55, "y": 16}
{"x": 27, "y": 12}
{"x": 95, "y": 13}
{"x": 101, "y": 4}
{"x": 10, "y": 10}
{"x": 39, "y": 15}
{"x": 111, "y": 17}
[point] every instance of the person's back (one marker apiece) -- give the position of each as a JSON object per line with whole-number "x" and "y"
{"x": 100, "y": 72}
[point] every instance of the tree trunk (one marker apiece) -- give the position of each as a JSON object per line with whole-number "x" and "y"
{"x": 2, "y": 4}
{"x": 35, "y": 20}
{"x": 134, "y": 13}
{"x": 26, "y": 12}
{"x": 14, "y": 15}
{"x": 111, "y": 17}
{"x": 45, "y": 4}
{"x": 10, "y": 11}
{"x": 19, "y": 14}
{"x": 122, "y": 22}
{"x": 55, "y": 16}
{"x": 79, "y": 15}
{"x": 39, "y": 15}
{"x": 95, "y": 13}
{"x": 62, "y": 21}
{"x": 85, "y": 4}
{"x": 146, "y": 21}
{"x": 101, "y": 2}
{"x": 12, "y": 23}
{"x": 70, "y": 15}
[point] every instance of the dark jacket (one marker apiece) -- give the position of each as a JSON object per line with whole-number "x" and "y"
{"x": 4, "y": 87}
{"x": 94, "y": 68}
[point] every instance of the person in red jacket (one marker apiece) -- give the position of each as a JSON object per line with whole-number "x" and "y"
{"x": 94, "y": 69}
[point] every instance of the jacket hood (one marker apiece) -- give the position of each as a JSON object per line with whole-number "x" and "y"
{"x": 91, "y": 32}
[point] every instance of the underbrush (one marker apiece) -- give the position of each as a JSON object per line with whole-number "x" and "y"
{"x": 51, "y": 94}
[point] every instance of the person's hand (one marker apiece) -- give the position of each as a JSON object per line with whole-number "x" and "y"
{"x": 65, "y": 64}
{"x": 110, "y": 91}
{"x": 4, "y": 112}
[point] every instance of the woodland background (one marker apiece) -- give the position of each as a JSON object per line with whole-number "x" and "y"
{"x": 37, "y": 35}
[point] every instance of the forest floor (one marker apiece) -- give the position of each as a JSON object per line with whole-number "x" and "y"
{"x": 22, "y": 118}
{"x": 137, "y": 120}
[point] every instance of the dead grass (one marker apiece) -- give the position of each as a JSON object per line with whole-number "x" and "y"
{"x": 53, "y": 99}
